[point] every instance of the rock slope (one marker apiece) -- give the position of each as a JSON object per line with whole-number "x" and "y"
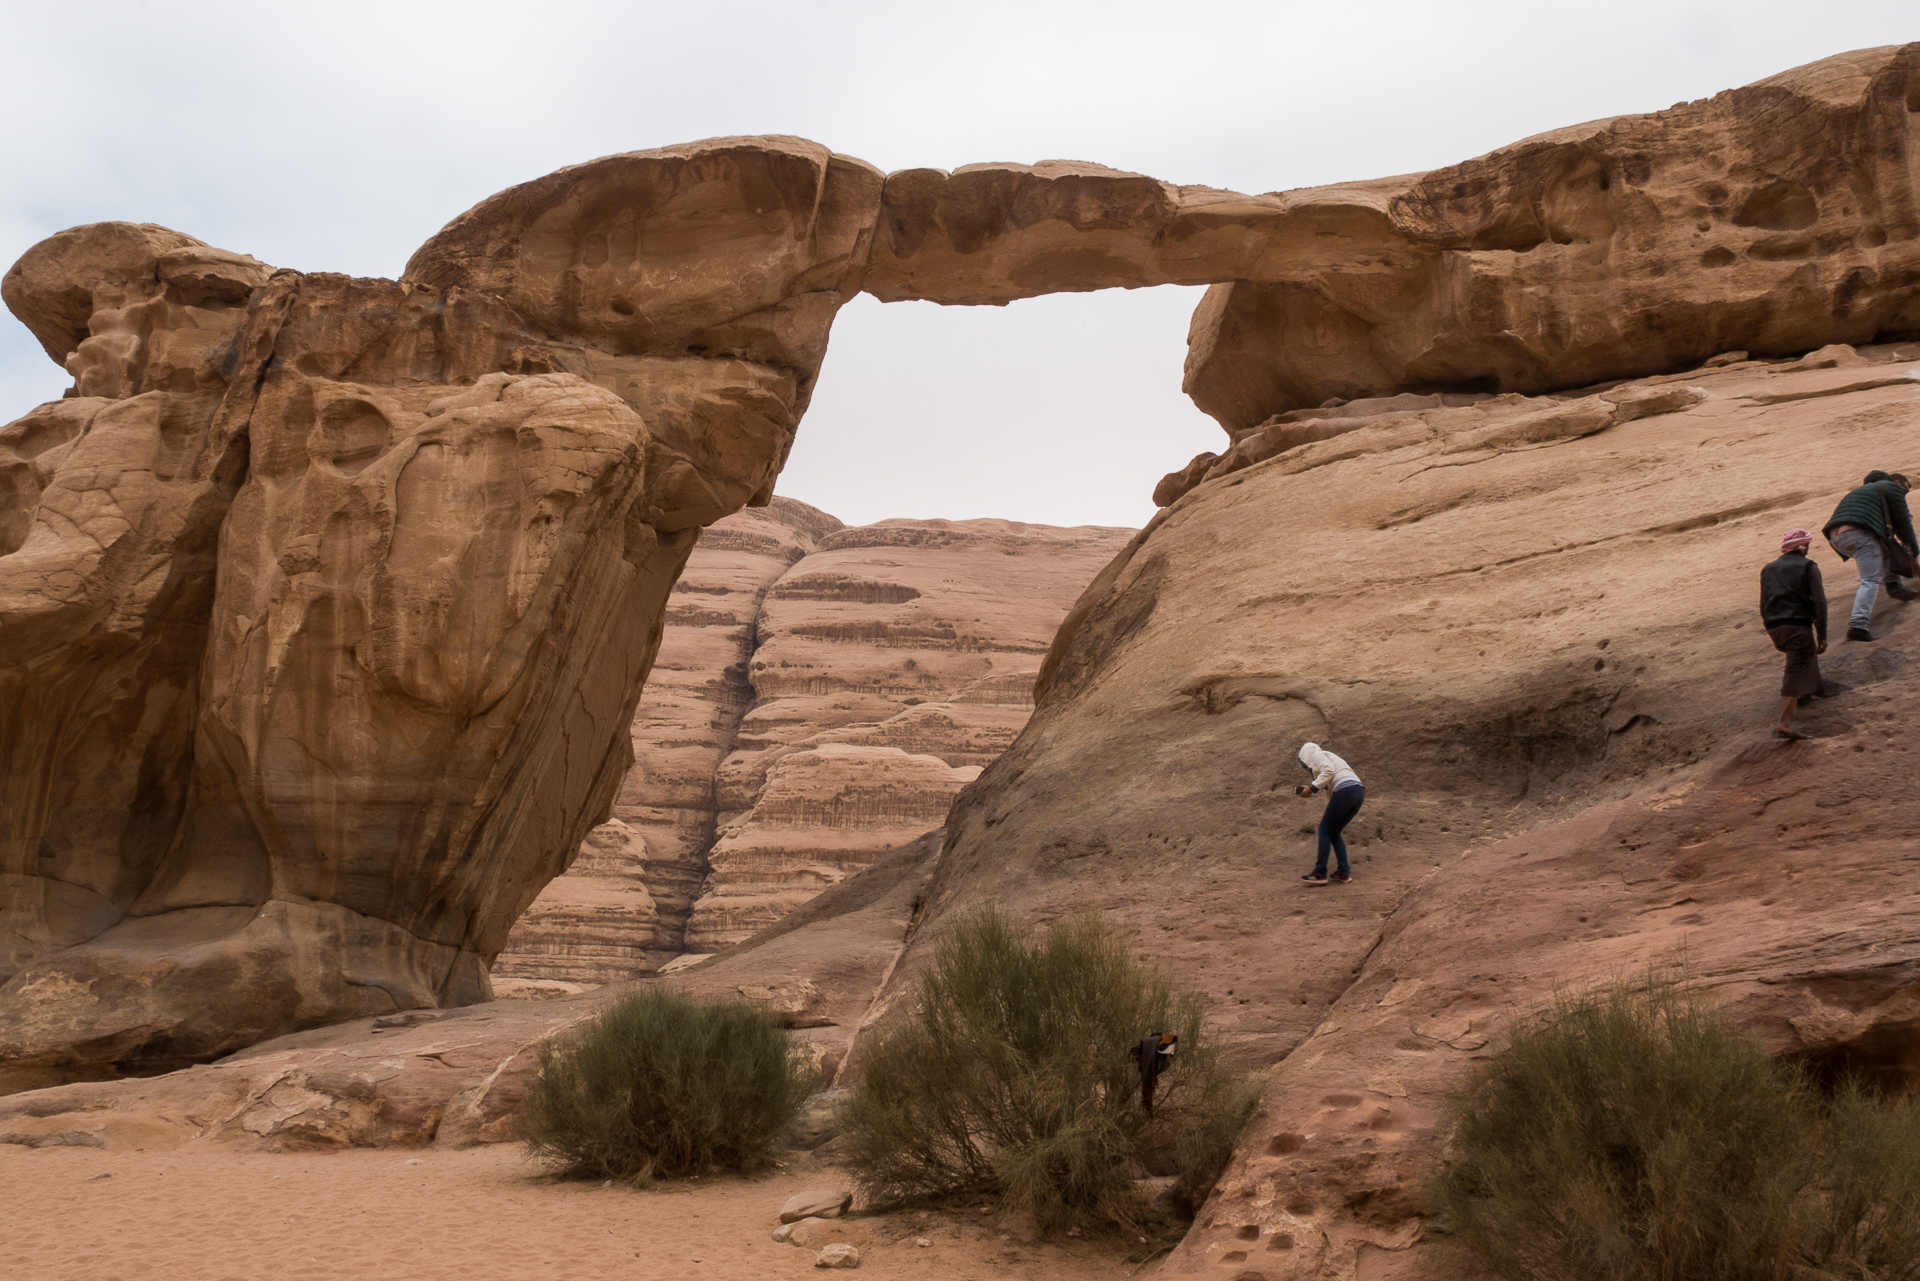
{"x": 820, "y": 697}
{"x": 1531, "y": 625}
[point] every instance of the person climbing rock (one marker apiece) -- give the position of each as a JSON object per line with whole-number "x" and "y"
{"x": 1870, "y": 527}
{"x": 1345, "y": 795}
{"x": 1793, "y": 608}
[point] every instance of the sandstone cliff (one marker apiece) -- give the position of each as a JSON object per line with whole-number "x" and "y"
{"x": 1530, "y": 623}
{"x": 820, "y": 697}
{"x": 326, "y": 603}
{"x": 622, "y": 907}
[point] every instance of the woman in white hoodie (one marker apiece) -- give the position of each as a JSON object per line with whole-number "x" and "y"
{"x": 1345, "y": 794}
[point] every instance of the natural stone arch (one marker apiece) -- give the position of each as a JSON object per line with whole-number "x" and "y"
{"x": 299, "y": 721}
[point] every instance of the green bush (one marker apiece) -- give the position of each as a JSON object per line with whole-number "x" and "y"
{"x": 663, "y": 1085}
{"x": 1636, "y": 1135}
{"x": 1014, "y": 1077}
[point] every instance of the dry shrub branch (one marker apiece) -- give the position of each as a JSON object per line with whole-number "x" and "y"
{"x": 664, "y": 1085}
{"x": 1014, "y": 1077}
{"x": 1636, "y": 1135}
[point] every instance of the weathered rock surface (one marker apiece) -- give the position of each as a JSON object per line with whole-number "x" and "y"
{"x": 821, "y": 696}
{"x": 1773, "y": 218}
{"x": 326, "y": 604}
{"x": 1530, "y": 624}
{"x": 290, "y": 636}
{"x": 454, "y": 1078}
{"x": 892, "y": 663}
{"x": 622, "y": 908}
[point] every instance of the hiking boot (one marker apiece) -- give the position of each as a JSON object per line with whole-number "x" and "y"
{"x": 1859, "y": 634}
{"x": 1315, "y": 878}
{"x": 1898, "y": 592}
{"x": 1341, "y": 878}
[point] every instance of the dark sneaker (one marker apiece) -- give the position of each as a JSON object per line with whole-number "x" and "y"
{"x": 1314, "y": 878}
{"x": 1341, "y": 878}
{"x": 1859, "y": 633}
{"x": 1900, "y": 592}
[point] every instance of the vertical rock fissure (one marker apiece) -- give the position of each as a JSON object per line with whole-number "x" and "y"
{"x": 739, "y": 700}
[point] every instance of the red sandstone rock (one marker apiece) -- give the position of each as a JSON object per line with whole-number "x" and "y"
{"x": 821, "y": 696}
{"x": 1772, "y": 218}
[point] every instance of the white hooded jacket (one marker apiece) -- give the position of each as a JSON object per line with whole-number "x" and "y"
{"x": 1329, "y": 771}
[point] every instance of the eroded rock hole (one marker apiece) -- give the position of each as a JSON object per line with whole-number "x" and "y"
{"x": 350, "y": 434}
{"x": 1778, "y": 206}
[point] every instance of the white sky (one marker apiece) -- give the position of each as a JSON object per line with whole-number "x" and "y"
{"x": 338, "y": 136}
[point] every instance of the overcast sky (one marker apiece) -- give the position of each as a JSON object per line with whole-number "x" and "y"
{"x": 338, "y": 136}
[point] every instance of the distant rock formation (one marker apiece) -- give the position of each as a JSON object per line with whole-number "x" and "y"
{"x": 325, "y": 603}
{"x": 820, "y": 697}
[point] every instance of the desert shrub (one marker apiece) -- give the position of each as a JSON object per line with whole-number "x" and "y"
{"x": 1013, "y": 1076}
{"x": 1865, "y": 1222}
{"x": 664, "y": 1085}
{"x": 1637, "y": 1134}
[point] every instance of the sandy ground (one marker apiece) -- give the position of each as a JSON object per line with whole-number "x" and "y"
{"x": 207, "y": 1213}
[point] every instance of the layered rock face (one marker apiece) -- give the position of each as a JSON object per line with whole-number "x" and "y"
{"x": 327, "y": 602}
{"x": 622, "y": 907}
{"x": 820, "y": 697}
{"x": 894, "y": 662}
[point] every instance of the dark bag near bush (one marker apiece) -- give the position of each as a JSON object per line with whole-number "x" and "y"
{"x": 1011, "y": 1077}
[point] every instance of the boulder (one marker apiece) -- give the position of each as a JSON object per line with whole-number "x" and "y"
{"x": 839, "y": 1255}
{"x": 811, "y": 1233}
{"x": 818, "y": 1121}
{"x": 815, "y": 1204}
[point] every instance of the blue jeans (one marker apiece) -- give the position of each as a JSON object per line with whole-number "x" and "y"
{"x": 1341, "y": 807}
{"x": 1871, "y": 560}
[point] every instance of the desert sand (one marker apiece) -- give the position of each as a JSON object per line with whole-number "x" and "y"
{"x": 203, "y": 1212}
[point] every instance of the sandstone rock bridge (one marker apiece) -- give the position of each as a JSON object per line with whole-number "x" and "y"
{"x": 325, "y": 602}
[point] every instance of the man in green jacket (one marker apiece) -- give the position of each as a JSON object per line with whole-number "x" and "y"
{"x": 1869, "y": 519}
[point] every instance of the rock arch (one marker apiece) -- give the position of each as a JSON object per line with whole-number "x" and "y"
{"x": 325, "y": 603}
